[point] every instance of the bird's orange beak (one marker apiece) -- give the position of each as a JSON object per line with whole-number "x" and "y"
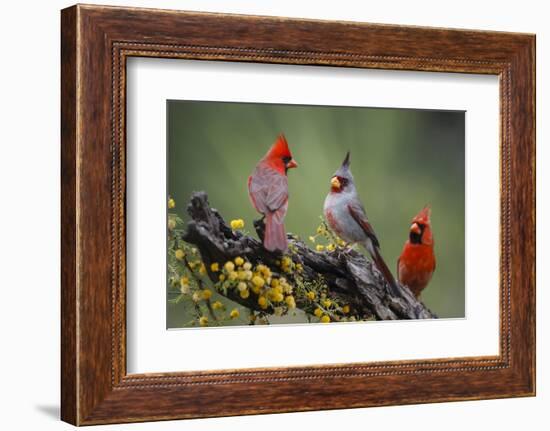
{"x": 335, "y": 183}
{"x": 415, "y": 228}
{"x": 291, "y": 164}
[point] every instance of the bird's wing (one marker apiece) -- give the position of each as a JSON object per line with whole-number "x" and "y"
{"x": 360, "y": 216}
{"x": 269, "y": 189}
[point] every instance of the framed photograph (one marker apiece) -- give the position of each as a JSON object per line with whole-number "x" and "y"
{"x": 281, "y": 206}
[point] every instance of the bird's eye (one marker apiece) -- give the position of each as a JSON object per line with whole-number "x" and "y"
{"x": 286, "y": 160}
{"x": 343, "y": 181}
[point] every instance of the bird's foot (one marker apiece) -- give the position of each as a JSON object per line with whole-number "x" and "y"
{"x": 342, "y": 252}
{"x": 348, "y": 248}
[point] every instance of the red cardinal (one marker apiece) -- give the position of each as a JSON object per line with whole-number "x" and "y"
{"x": 416, "y": 264}
{"x": 347, "y": 217}
{"x": 268, "y": 191}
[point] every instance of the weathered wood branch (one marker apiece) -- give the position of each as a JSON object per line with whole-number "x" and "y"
{"x": 348, "y": 274}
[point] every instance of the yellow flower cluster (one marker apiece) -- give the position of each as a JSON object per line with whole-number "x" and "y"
{"x": 324, "y": 232}
{"x": 195, "y": 265}
{"x": 269, "y": 290}
{"x": 276, "y": 292}
{"x": 171, "y": 203}
{"x": 289, "y": 266}
{"x": 237, "y": 224}
{"x": 319, "y": 304}
{"x": 184, "y": 284}
{"x": 202, "y": 269}
{"x": 290, "y": 301}
{"x": 324, "y": 318}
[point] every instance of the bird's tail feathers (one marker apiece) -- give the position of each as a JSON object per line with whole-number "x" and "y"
{"x": 383, "y": 268}
{"x": 274, "y": 235}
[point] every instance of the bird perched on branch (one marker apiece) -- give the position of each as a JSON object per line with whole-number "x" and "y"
{"x": 416, "y": 264}
{"x": 347, "y": 218}
{"x": 268, "y": 191}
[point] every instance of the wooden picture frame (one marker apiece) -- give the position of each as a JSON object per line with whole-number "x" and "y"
{"x": 96, "y": 41}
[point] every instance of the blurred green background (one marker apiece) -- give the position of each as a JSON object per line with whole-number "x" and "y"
{"x": 401, "y": 159}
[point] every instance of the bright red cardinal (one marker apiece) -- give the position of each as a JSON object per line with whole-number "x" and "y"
{"x": 268, "y": 191}
{"x": 416, "y": 264}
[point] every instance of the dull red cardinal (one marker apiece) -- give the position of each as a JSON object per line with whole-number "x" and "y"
{"x": 268, "y": 191}
{"x": 416, "y": 264}
{"x": 347, "y": 218}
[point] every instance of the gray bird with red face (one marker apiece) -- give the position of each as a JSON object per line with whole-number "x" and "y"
{"x": 347, "y": 217}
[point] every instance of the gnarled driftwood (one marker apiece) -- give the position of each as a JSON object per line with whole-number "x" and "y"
{"x": 348, "y": 274}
